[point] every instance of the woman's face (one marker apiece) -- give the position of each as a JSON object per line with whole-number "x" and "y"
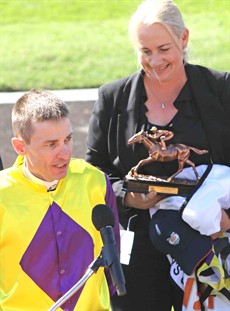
{"x": 160, "y": 54}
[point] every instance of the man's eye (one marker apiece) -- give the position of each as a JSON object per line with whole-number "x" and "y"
{"x": 68, "y": 139}
{"x": 51, "y": 144}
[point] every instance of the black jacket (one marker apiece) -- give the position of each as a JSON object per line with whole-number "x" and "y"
{"x": 116, "y": 115}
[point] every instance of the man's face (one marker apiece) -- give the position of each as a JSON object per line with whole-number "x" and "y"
{"x": 50, "y": 149}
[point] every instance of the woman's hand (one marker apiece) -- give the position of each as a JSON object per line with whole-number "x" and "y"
{"x": 142, "y": 201}
{"x": 224, "y": 225}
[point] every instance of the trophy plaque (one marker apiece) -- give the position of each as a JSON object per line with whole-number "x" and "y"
{"x": 146, "y": 184}
{"x": 159, "y": 151}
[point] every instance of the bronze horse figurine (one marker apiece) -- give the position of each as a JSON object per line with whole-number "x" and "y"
{"x": 180, "y": 152}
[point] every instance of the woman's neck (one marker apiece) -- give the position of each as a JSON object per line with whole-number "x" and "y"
{"x": 170, "y": 86}
{"x": 161, "y": 97}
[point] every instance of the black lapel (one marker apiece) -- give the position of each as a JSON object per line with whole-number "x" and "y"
{"x": 128, "y": 119}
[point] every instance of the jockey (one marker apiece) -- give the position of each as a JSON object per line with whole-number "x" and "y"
{"x": 163, "y": 135}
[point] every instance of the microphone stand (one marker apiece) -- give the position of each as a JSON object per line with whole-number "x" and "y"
{"x": 93, "y": 267}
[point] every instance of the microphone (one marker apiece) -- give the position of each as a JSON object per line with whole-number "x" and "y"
{"x": 103, "y": 220}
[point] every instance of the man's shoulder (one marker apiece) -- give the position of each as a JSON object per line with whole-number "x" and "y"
{"x": 80, "y": 166}
{"x": 86, "y": 175}
{"x": 6, "y": 176}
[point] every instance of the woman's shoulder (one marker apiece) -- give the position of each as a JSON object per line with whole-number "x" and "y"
{"x": 121, "y": 83}
{"x": 208, "y": 72}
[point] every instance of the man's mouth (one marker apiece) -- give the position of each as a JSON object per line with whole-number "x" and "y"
{"x": 61, "y": 165}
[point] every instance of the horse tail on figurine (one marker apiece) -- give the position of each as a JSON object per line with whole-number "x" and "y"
{"x": 198, "y": 151}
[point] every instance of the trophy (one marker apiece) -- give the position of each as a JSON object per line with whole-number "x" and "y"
{"x": 159, "y": 151}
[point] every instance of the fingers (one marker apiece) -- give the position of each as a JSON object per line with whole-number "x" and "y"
{"x": 144, "y": 197}
{"x": 224, "y": 225}
{"x": 141, "y": 200}
{"x": 225, "y": 221}
{"x": 151, "y": 195}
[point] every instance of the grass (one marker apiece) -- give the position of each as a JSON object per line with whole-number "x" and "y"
{"x": 61, "y": 44}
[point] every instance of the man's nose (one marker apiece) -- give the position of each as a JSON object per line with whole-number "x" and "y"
{"x": 64, "y": 151}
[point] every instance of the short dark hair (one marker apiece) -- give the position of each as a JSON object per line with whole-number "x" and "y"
{"x": 36, "y": 106}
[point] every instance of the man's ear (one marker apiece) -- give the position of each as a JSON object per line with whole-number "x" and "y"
{"x": 19, "y": 145}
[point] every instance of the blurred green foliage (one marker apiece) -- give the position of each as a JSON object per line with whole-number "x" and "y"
{"x": 60, "y": 44}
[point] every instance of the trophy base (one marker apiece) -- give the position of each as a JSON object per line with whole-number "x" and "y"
{"x": 145, "y": 184}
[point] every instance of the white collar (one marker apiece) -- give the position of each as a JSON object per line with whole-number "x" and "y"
{"x": 51, "y": 185}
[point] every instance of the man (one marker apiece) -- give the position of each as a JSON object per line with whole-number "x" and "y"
{"x": 46, "y": 200}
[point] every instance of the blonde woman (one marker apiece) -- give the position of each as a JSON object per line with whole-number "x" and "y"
{"x": 191, "y": 101}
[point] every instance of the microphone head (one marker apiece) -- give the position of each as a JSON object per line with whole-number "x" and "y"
{"x": 102, "y": 216}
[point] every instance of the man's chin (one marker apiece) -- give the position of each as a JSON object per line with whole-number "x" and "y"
{"x": 61, "y": 176}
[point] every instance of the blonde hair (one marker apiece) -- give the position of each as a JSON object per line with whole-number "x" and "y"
{"x": 164, "y": 12}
